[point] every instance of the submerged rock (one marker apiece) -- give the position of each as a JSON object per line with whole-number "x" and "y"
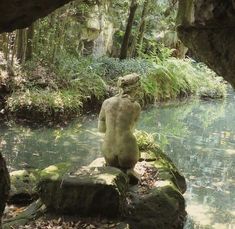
{"x": 87, "y": 192}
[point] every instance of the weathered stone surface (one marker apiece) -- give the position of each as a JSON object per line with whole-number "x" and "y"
{"x": 4, "y": 185}
{"x": 20, "y": 14}
{"x": 168, "y": 171}
{"x": 89, "y": 191}
{"x": 163, "y": 206}
{"x": 211, "y": 35}
{"x": 24, "y": 182}
{"x": 23, "y": 186}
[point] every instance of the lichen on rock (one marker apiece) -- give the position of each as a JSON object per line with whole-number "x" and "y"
{"x": 89, "y": 191}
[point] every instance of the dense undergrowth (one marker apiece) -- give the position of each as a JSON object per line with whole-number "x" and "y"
{"x": 74, "y": 85}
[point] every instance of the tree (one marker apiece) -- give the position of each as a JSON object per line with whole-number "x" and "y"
{"x": 29, "y": 45}
{"x": 137, "y": 44}
{"x": 126, "y": 38}
{"x": 20, "y": 51}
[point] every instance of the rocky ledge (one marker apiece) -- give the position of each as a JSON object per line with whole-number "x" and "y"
{"x": 104, "y": 194}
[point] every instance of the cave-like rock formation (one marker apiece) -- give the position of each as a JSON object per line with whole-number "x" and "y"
{"x": 209, "y": 32}
{"x": 21, "y": 13}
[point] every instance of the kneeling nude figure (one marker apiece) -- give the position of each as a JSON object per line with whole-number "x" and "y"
{"x": 117, "y": 119}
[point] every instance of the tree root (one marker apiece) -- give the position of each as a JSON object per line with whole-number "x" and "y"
{"x": 32, "y": 212}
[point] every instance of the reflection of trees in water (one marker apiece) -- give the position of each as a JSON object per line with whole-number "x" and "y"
{"x": 200, "y": 139}
{"x": 23, "y": 146}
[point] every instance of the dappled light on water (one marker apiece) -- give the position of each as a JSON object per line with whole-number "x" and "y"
{"x": 199, "y": 136}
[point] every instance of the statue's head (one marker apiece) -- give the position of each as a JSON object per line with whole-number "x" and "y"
{"x": 129, "y": 84}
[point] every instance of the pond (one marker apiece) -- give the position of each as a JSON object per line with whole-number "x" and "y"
{"x": 199, "y": 136}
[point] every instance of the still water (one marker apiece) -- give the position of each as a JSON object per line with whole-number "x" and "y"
{"x": 199, "y": 136}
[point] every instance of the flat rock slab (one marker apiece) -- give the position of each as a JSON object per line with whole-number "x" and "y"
{"x": 87, "y": 192}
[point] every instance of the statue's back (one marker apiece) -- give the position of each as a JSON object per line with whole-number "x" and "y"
{"x": 121, "y": 114}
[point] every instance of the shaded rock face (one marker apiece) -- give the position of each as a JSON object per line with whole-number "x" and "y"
{"x": 19, "y": 14}
{"x": 162, "y": 205}
{"x": 87, "y": 192}
{"x": 4, "y": 185}
{"x": 210, "y": 36}
{"x": 162, "y": 208}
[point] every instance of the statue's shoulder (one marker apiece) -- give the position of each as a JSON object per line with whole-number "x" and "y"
{"x": 137, "y": 106}
{"x": 110, "y": 100}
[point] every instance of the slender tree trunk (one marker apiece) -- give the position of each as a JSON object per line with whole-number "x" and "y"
{"x": 20, "y": 45}
{"x": 142, "y": 28}
{"x": 126, "y": 38}
{"x": 5, "y": 45}
{"x": 29, "y": 45}
{"x": 185, "y": 15}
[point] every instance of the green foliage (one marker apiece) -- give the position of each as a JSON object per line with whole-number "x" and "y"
{"x": 173, "y": 77}
{"x": 145, "y": 140}
{"x": 82, "y": 75}
{"x": 65, "y": 87}
{"x": 112, "y": 68}
{"x": 46, "y": 102}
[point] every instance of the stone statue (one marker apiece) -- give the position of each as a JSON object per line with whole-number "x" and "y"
{"x": 117, "y": 119}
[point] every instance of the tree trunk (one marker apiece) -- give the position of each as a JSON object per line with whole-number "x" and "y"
{"x": 5, "y": 45}
{"x": 29, "y": 45}
{"x": 20, "y": 45}
{"x": 185, "y": 15}
{"x": 126, "y": 38}
{"x": 4, "y": 186}
{"x": 141, "y": 29}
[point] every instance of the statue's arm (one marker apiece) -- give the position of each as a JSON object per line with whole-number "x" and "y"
{"x": 102, "y": 121}
{"x": 138, "y": 109}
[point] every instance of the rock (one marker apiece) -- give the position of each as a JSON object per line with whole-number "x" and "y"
{"x": 147, "y": 156}
{"x": 55, "y": 171}
{"x": 211, "y": 34}
{"x": 4, "y": 185}
{"x": 99, "y": 162}
{"x": 87, "y": 192}
{"x": 23, "y": 184}
{"x": 162, "y": 208}
{"x": 158, "y": 201}
{"x": 168, "y": 171}
{"x": 19, "y": 14}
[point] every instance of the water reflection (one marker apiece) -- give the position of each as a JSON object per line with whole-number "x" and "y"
{"x": 38, "y": 148}
{"x": 198, "y": 136}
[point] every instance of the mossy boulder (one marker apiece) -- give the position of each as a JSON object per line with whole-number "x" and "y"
{"x": 162, "y": 208}
{"x": 54, "y": 172}
{"x": 168, "y": 171}
{"x": 88, "y": 191}
{"x": 23, "y": 183}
